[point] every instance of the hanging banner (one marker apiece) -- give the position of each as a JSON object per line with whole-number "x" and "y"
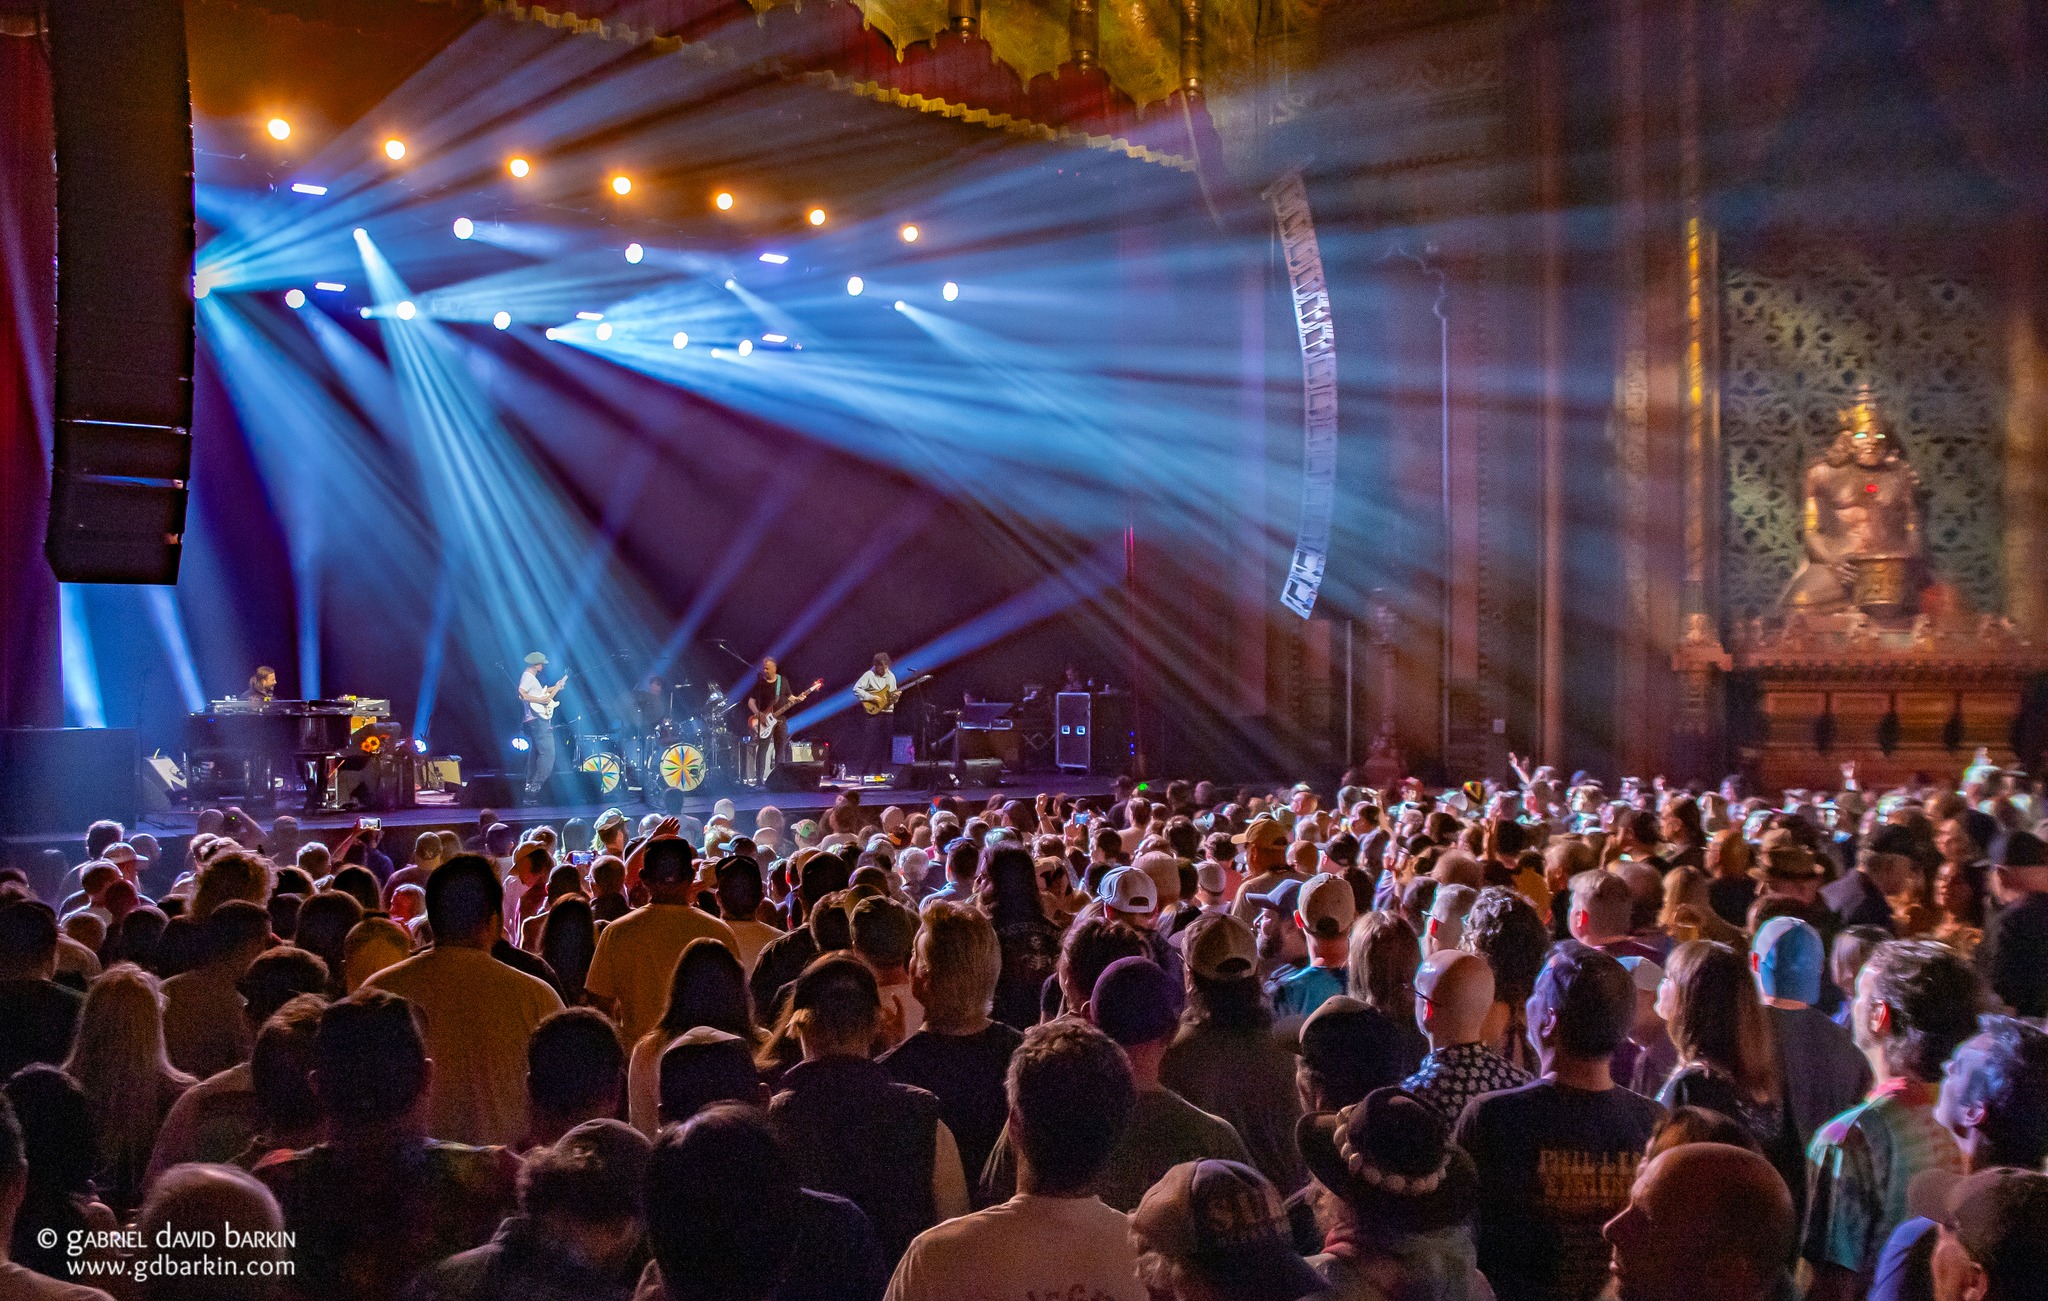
{"x": 1289, "y": 198}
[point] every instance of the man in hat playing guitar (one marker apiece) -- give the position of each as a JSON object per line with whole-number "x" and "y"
{"x": 537, "y": 712}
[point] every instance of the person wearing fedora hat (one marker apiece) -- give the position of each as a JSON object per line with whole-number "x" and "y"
{"x": 1403, "y": 1199}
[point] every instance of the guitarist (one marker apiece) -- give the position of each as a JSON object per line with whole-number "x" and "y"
{"x": 537, "y": 707}
{"x": 768, "y": 695}
{"x": 876, "y": 691}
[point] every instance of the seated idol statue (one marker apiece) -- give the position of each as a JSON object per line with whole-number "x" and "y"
{"x": 1861, "y": 532}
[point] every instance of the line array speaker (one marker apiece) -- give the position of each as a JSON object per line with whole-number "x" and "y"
{"x": 122, "y": 446}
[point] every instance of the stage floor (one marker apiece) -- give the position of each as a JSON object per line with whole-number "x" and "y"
{"x": 1023, "y": 786}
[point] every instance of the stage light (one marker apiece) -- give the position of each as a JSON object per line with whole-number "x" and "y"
{"x": 279, "y": 128}
{"x": 519, "y": 743}
{"x": 464, "y": 228}
{"x": 406, "y": 310}
{"x": 363, "y": 312}
{"x": 724, "y": 201}
{"x": 731, "y": 283}
{"x": 200, "y": 288}
{"x": 302, "y": 187}
{"x": 590, "y": 316}
{"x": 775, "y": 259}
{"x": 295, "y": 298}
{"x": 746, "y": 347}
{"x": 503, "y": 320}
{"x": 682, "y": 340}
{"x": 775, "y": 338}
{"x": 950, "y": 292}
{"x": 554, "y": 333}
{"x": 360, "y": 233}
{"x": 604, "y": 332}
{"x": 394, "y": 149}
{"x": 634, "y": 253}
{"x": 622, "y": 184}
{"x": 899, "y": 304}
{"x": 329, "y": 286}
{"x": 909, "y": 234}
{"x": 817, "y": 216}
{"x": 519, "y": 167}
{"x": 854, "y": 284}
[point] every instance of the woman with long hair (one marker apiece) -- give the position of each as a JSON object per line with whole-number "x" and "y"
{"x": 1730, "y": 887}
{"x": 1009, "y": 893}
{"x": 708, "y": 988}
{"x": 1380, "y": 971}
{"x": 1727, "y": 1057}
{"x": 1960, "y": 891}
{"x": 120, "y": 1061}
{"x": 568, "y": 940}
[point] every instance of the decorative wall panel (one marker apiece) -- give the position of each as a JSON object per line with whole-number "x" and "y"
{"x": 1799, "y": 335}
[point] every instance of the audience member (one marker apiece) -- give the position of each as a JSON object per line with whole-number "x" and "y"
{"x": 38, "y": 1016}
{"x": 17, "y": 1281}
{"x": 1703, "y": 1220}
{"x": 575, "y": 1072}
{"x": 120, "y": 1061}
{"x": 629, "y": 974}
{"x": 706, "y": 988}
{"x": 1453, "y": 999}
{"x": 204, "y": 1028}
{"x": 1215, "y": 1231}
{"x": 2014, "y": 954}
{"x": 1821, "y": 1071}
{"x": 248, "y": 1264}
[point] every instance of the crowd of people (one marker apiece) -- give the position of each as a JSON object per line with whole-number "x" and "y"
{"x": 1525, "y": 1040}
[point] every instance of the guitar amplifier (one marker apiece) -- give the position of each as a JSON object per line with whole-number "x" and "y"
{"x": 1073, "y": 730}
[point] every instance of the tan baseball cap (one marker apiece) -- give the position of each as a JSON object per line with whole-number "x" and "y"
{"x": 1326, "y": 906}
{"x": 1263, "y": 833}
{"x": 1220, "y": 947}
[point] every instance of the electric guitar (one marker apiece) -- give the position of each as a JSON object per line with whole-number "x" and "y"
{"x": 545, "y": 709}
{"x": 881, "y": 702}
{"x": 764, "y": 723}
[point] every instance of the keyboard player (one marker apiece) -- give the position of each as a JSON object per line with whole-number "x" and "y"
{"x": 262, "y": 685}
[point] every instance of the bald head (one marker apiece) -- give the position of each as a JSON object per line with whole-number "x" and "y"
{"x": 1704, "y": 1219}
{"x": 1454, "y": 994}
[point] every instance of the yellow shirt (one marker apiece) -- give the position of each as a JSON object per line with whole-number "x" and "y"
{"x": 479, "y": 1014}
{"x": 636, "y": 957}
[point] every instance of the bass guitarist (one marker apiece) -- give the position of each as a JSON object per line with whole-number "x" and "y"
{"x": 768, "y": 696}
{"x": 536, "y": 720}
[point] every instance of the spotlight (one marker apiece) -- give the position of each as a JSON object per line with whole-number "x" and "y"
{"x": 746, "y": 347}
{"x": 634, "y": 253}
{"x": 363, "y": 312}
{"x": 899, "y": 304}
{"x": 406, "y": 310}
{"x": 590, "y": 316}
{"x": 724, "y": 201}
{"x": 279, "y": 128}
{"x": 519, "y": 743}
{"x": 775, "y": 259}
{"x": 360, "y": 233}
{"x": 200, "y": 288}
{"x": 775, "y": 338}
{"x": 295, "y": 298}
{"x": 817, "y": 216}
{"x": 854, "y": 284}
{"x": 681, "y": 340}
{"x": 604, "y": 332}
{"x": 464, "y": 228}
{"x": 554, "y": 333}
{"x": 519, "y": 167}
{"x": 394, "y": 149}
{"x": 909, "y": 234}
{"x": 302, "y": 187}
{"x": 731, "y": 283}
{"x": 622, "y": 184}
{"x": 950, "y": 292}
{"x": 503, "y": 320}
{"x": 329, "y": 286}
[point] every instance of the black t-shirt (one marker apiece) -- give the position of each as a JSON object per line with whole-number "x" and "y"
{"x": 37, "y": 1021}
{"x": 2014, "y": 955}
{"x": 767, "y": 695}
{"x": 1555, "y": 1164}
{"x": 966, "y": 1073}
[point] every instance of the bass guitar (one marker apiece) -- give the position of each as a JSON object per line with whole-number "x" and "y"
{"x": 763, "y": 724}
{"x": 881, "y": 702}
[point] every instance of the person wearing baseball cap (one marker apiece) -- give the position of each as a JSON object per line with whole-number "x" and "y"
{"x": 1994, "y": 1232}
{"x": 1283, "y": 949}
{"x": 1225, "y": 1059}
{"x": 1218, "y": 1224}
{"x": 1821, "y": 1071}
{"x": 1264, "y": 842}
{"x": 1131, "y": 895}
{"x": 1324, "y": 911}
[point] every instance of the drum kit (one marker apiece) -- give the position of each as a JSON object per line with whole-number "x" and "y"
{"x": 662, "y": 750}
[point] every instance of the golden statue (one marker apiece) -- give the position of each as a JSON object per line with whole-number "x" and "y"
{"x": 1861, "y": 533}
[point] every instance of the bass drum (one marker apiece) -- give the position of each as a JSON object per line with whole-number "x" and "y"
{"x": 682, "y": 767}
{"x": 610, "y": 770}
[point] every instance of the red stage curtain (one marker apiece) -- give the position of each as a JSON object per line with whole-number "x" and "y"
{"x": 31, "y": 689}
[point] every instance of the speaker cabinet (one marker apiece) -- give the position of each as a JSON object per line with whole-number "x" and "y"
{"x": 1073, "y": 729}
{"x": 793, "y": 776}
{"x": 122, "y": 446}
{"x": 57, "y": 781}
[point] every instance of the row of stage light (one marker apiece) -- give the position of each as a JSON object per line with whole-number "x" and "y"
{"x": 635, "y": 253}
{"x": 520, "y": 168}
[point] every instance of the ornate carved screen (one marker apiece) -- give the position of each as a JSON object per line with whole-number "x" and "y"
{"x": 1800, "y": 333}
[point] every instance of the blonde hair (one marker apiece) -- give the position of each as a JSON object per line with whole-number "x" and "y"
{"x": 959, "y": 958}
{"x": 119, "y": 1060}
{"x": 371, "y": 945}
